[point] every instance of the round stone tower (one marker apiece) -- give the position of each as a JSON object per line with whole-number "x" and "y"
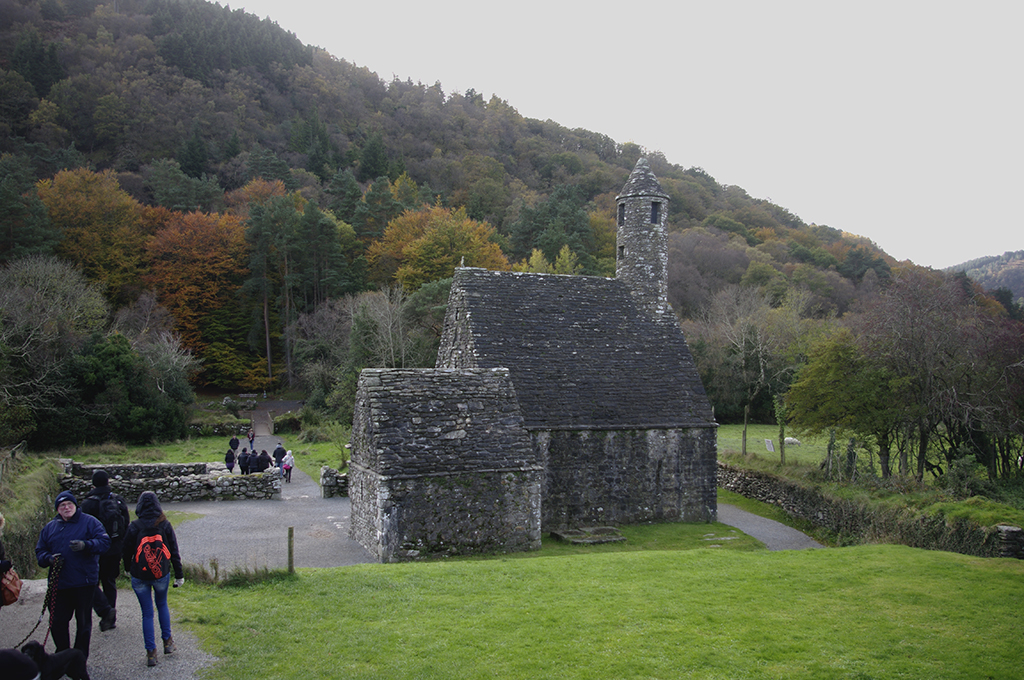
{"x": 642, "y": 243}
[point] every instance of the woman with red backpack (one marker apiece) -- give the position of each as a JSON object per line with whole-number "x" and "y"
{"x": 150, "y": 553}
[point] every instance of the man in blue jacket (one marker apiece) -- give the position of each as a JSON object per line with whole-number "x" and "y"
{"x": 71, "y": 544}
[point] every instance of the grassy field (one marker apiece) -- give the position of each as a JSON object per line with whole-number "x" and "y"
{"x": 675, "y": 600}
{"x": 863, "y": 612}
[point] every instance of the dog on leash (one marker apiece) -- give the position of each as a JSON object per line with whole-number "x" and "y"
{"x": 69, "y": 662}
{"x": 17, "y": 666}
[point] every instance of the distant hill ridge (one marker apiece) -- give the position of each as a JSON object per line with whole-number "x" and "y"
{"x": 997, "y": 271}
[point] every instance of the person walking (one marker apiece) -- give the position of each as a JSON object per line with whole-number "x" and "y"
{"x": 112, "y": 511}
{"x": 279, "y": 454}
{"x": 251, "y": 435}
{"x": 287, "y": 464}
{"x": 229, "y": 460}
{"x": 233, "y": 443}
{"x": 150, "y": 553}
{"x": 71, "y": 545}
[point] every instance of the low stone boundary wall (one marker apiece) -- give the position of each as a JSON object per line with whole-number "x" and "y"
{"x": 332, "y": 483}
{"x": 894, "y": 525}
{"x": 175, "y": 482}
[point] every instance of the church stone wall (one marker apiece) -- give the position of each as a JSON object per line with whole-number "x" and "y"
{"x": 441, "y": 465}
{"x": 627, "y": 476}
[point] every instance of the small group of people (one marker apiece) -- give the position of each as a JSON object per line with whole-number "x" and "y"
{"x": 250, "y": 462}
{"x": 86, "y": 545}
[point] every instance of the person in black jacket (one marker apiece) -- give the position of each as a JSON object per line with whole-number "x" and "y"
{"x": 150, "y": 553}
{"x": 229, "y": 460}
{"x": 105, "y": 599}
{"x": 243, "y": 461}
{"x": 263, "y": 461}
{"x": 76, "y": 540}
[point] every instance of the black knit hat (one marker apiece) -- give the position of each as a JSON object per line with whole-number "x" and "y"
{"x": 100, "y": 478}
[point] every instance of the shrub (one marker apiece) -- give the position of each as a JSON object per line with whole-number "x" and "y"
{"x": 287, "y": 423}
{"x": 35, "y": 483}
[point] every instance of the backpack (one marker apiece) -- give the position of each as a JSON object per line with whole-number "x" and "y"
{"x": 112, "y": 517}
{"x": 152, "y": 558}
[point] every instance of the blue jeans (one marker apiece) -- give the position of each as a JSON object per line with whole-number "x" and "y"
{"x": 142, "y": 591}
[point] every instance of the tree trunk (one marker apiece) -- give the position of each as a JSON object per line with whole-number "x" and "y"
{"x": 287, "y": 323}
{"x": 266, "y": 333}
{"x": 883, "y": 455}
{"x": 922, "y": 450}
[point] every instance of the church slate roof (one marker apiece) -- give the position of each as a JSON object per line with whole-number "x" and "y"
{"x": 580, "y": 353}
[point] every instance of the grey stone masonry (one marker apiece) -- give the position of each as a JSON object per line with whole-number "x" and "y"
{"x": 628, "y": 476}
{"x": 441, "y": 465}
{"x": 642, "y": 242}
{"x": 175, "y": 482}
{"x": 332, "y": 482}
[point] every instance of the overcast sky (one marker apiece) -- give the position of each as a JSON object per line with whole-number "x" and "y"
{"x": 898, "y": 121}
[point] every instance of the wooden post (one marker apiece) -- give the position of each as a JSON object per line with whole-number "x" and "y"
{"x": 746, "y": 416}
{"x": 291, "y": 550}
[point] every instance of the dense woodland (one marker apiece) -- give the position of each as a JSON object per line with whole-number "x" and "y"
{"x": 192, "y": 198}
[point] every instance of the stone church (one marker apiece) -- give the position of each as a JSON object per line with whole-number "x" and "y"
{"x": 556, "y": 402}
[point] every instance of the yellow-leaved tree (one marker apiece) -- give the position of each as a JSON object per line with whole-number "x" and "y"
{"x": 428, "y": 244}
{"x": 100, "y": 228}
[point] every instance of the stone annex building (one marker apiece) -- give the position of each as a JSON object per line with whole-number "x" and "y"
{"x": 556, "y": 402}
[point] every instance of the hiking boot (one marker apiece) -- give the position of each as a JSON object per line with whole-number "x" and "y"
{"x": 168, "y": 645}
{"x": 109, "y": 620}
{"x": 150, "y": 657}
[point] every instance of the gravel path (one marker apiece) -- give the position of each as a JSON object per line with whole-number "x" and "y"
{"x": 253, "y": 534}
{"x": 775, "y": 535}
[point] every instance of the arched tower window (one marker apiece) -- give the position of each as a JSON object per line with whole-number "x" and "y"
{"x": 622, "y": 214}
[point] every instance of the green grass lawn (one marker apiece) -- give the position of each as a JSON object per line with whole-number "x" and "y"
{"x": 810, "y": 451}
{"x": 862, "y": 612}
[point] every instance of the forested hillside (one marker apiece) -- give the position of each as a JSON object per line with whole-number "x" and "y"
{"x": 1004, "y": 271}
{"x": 250, "y": 213}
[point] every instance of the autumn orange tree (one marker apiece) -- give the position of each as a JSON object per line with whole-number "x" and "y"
{"x": 198, "y": 263}
{"x": 427, "y": 245}
{"x": 99, "y": 225}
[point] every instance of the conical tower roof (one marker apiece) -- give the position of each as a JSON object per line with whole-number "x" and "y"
{"x": 642, "y": 182}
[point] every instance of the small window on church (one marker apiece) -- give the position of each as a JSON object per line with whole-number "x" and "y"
{"x": 622, "y": 252}
{"x": 622, "y": 214}
{"x": 655, "y": 212}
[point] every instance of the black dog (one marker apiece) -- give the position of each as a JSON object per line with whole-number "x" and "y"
{"x": 17, "y": 666}
{"x": 69, "y": 662}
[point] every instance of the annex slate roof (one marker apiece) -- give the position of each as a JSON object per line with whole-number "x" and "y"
{"x": 580, "y": 353}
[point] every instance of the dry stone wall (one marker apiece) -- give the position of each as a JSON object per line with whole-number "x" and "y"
{"x": 332, "y": 482}
{"x": 175, "y": 482}
{"x": 848, "y": 518}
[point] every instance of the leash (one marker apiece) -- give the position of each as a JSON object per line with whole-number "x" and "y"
{"x": 50, "y": 599}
